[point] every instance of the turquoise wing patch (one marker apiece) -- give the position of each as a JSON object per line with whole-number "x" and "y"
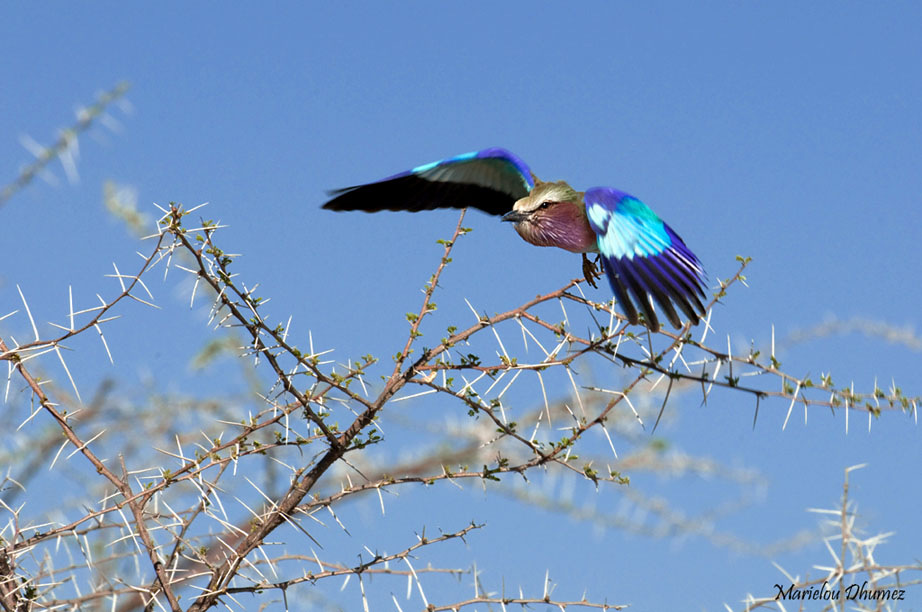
{"x": 644, "y": 259}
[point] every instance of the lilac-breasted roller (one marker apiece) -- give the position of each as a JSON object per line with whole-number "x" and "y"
{"x": 642, "y": 257}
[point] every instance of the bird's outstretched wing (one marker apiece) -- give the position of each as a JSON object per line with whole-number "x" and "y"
{"x": 491, "y": 180}
{"x": 644, "y": 258}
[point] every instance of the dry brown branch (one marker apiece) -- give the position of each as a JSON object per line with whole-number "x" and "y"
{"x": 201, "y": 523}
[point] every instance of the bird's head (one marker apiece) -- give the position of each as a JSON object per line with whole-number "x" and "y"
{"x": 551, "y": 215}
{"x": 539, "y": 205}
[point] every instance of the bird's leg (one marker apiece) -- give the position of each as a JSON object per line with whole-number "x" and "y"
{"x": 591, "y": 270}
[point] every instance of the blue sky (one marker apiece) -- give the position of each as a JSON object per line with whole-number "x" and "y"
{"x": 789, "y": 132}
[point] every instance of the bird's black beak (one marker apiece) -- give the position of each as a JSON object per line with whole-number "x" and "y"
{"x": 514, "y": 216}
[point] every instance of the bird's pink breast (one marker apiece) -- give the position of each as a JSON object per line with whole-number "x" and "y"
{"x": 563, "y": 225}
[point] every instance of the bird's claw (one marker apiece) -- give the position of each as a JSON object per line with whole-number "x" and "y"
{"x": 591, "y": 270}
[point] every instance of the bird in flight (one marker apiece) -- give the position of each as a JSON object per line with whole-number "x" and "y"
{"x": 642, "y": 257}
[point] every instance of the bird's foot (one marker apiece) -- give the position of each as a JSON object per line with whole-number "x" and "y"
{"x": 591, "y": 270}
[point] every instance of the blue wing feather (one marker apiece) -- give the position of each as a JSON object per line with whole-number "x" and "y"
{"x": 490, "y": 179}
{"x": 644, "y": 259}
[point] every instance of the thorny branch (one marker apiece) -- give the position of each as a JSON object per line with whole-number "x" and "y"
{"x": 855, "y": 580}
{"x": 176, "y": 518}
{"x": 67, "y": 139}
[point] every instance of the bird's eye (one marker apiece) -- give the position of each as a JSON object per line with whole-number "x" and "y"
{"x": 545, "y": 204}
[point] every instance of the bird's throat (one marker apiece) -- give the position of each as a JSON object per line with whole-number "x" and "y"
{"x": 563, "y": 225}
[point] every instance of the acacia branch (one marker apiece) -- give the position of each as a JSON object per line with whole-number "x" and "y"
{"x": 85, "y": 119}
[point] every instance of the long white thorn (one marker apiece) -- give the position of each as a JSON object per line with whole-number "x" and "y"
{"x": 28, "y": 312}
